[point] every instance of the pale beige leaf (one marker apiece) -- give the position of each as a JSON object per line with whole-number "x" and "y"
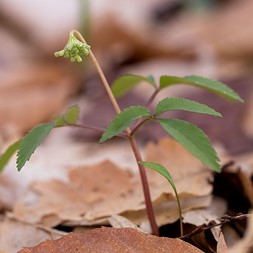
{"x": 245, "y": 245}
{"x": 15, "y": 235}
{"x": 118, "y": 221}
{"x": 221, "y": 245}
{"x": 95, "y": 192}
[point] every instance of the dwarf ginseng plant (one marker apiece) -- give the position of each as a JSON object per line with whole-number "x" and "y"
{"x": 129, "y": 121}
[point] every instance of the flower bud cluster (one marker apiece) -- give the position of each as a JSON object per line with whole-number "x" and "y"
{"x": 74, "y": 50}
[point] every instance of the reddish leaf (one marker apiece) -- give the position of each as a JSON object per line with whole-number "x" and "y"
{"x": 112, "y": 240}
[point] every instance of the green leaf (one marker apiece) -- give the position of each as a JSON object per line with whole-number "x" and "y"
{"x": 162, "y": 170}
{"x": 59, "y": 121}
{"x": 72, "y": 114}
{"x": 165, "y": 173}
{"x": 216, "y": 87}
{"x": 126, "y": 82}
{"x": 169, "y": 104}
{"x": 69, "y": 117}
{"x": 5, "y": 157}
{"x": 193, "y": 139}
{"x": 31, "y": 141}
{"x": 123, "y": 120}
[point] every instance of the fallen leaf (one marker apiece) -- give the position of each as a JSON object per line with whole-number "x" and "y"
{"x": 31, "y": 88}
{"x": 118, "y": 221}
{"x": 247, "y": 186}
{"x": 245, "y": 245}
{"x": 14, "y": 235}
{"x": 187, "y": 171}
{"x": 221, "y": 245}
{"x": 95, "y": 192}
{"x": 113, "y": 240}
{"x": 92, "y": 192}
{"x": 201, "y": 216}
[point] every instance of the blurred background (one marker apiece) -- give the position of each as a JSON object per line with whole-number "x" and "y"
{"x": 212, "y": 38}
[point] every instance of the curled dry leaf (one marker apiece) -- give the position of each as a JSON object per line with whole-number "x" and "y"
{"x": 113, "y": 240}
{"x": 118, "y": 221}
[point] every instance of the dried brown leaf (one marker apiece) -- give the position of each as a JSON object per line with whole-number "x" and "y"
{"x": 96, "y": 192}
{"x": 29, "y": 89}
{"x": 113, "y": 240}
{"x": 189, "y": 175}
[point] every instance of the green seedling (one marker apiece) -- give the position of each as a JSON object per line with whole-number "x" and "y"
{"x": 129, "y": 121}
{"x": 165, "y": 173}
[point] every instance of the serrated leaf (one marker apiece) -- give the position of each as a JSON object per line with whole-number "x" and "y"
{"x": 5, "y": 157}
{"x": 193, "y": 139}
{"x": 214, "y": 86}
{"x": 72, "y": 114}
{"x": 123, "y": 120}
{"x": 126, "y": 82}
{"x": 169, "y": 104}
{"x": 31, "y": 141}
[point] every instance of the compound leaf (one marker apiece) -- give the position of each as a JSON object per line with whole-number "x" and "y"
{"x": 214, "y": 86}
{"x": 5, "y": 157}
{"x": 193, "y": 139}
{"x": 126, "y": 82}
{"x": 169, "y": 104}
{"x": 31, "y": 141}
{"x": 123, "y": 120}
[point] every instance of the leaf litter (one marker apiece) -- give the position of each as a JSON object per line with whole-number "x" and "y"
{"x": 198, "y": 191}
{"x": 94, "y": 194}
{"x": 97, "y": 191}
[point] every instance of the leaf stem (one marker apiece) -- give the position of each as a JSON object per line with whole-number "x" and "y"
{"x": 148, "y": 104}
{"x": 180, "y": 214}
{"x": 152, "y": 97}
{"x": 135, "y": 148}
{"x": 138, "y": 126}
{"x": 95, "y": 129}
{"x": 101, "y": 74}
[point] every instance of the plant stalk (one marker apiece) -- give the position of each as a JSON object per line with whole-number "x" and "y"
{"x": 135, "y": 148}
{"x": 151, "y": 99}
{"x": 180, "y": 215}
{"x": 138, "y": 126}
{"x": 102, "y": 76}
{"x": 145, "y": 186}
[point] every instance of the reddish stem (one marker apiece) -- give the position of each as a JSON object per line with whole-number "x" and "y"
{"x": 145, "y": 187}
{"x": 151, "y": 99}
{"x": 136, "y": 151}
